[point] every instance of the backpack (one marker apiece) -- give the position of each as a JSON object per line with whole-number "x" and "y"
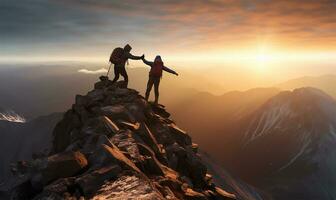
{"x": 117, "y": 56}
{"x": 156, "y": 69}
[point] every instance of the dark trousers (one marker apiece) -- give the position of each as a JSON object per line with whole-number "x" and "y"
{"x": 120, "y": 69}
{"x": 153, "y": 80}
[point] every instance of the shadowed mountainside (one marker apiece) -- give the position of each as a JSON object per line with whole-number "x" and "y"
{"x": 212, "y": 120}
{"x": 288, "y": 144}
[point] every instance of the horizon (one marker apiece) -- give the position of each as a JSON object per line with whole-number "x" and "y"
{"x": 259, "y": 42}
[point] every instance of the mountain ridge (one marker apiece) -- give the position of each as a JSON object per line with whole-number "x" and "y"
{"x": 294, "y": 131}
{"x": 112, "y": 138}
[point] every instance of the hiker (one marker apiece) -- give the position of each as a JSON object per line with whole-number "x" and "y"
{"x": 155, "y": 75}
{"x": 119, "y": 57}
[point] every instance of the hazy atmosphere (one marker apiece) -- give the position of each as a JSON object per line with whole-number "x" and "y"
{"x": 263, "y": 42}
{"x": 168, "y": 99}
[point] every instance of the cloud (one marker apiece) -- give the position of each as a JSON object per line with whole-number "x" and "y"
{"x": 98, "y": 71}
{"x": 82, "y": 27}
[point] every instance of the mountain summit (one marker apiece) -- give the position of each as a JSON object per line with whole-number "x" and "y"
{"x": 289, "y": 141}
{"x": 112, "y": 144}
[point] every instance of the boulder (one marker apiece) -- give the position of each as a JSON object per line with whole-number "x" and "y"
{"x": 61, "y": 133}
{"x": 147, "y": 136}
{"x": 159, "y": 110}
{"x": 180, "y": 136}
{"x": 63, "y": 165}
{"x": 91, "y": 182}
{"x": 100, "y": 125}
{"x": 137, "y": 111}
{"x": 81, "y": 100}
{"x": 109, "y": 155}
{"x": 93, "y": 142}
{"x": 96, "y": 95}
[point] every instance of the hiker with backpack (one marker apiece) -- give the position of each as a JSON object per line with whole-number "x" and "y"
{"x": 119, "y": 57}
{"x": 155, "y": 75}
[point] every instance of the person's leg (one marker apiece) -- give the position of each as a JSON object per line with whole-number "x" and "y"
{"x": 149, "y": 87}
{"x": 156, "y": 89}
{"x": 116, "y": 73}
{"x": 124, "y": 73}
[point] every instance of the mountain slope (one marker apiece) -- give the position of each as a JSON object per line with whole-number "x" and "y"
{"x": 112, "y": 144}
{"x": 21, "y": 140}
{"x": 212, "y": 119}
{"x": 288, "y": 146}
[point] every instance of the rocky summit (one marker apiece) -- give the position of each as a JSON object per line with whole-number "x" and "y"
{"x": 113, "y": 144}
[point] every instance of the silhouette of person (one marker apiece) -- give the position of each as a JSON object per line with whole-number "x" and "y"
{"x": 155, "y": 75}
{"x": 119, "y": 69}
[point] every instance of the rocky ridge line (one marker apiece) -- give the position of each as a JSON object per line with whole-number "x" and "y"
{"x": 113, "y": 144}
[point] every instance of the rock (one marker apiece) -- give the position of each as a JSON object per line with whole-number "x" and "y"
{"x": 100, "y": 125}
{"x": 61, "y": 133}
{"x": 193, "y": 195}
{"x": 60, "y": 186}
{"x": 147, "y": 136}
{"x": 194, "y": 147}
{"x": 104, "y": 78}
{"x": 150, "y": 164}
{"x": 129, "y": 125}
{"x": 159, "y": 110}
{"x": 180, "y": 136}
{"x": 93, "y": 142}
{"x": 63, "y": 165}
{"x": 221, "y": 194}
{"x": 81, "y": 100}
{"x": 112, "y": 126}
{"x": 121, "y": 84}
{"x": 49, "y": 195}
{"x": 129, "y": 186}
{"x": 107, "y": 155}
{"x": 91, "y": 182}
{"x": 96, "y": 95}
{"x": 126, "y": 143}
{"x": 117, "y": 112}
{"x": 113, "y": 144}
{"x": 137, "y": 110}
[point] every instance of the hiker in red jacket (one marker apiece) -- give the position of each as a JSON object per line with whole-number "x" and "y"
{"x": 119, "y": 57}
{"x": 155, "y": 75}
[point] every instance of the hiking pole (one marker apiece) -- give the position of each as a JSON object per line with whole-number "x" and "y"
{"x": 108, "y": 71}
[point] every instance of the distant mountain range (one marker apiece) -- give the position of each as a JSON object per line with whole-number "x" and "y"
{"x": 281, "y": 142}
{"x": 327, "y": 83}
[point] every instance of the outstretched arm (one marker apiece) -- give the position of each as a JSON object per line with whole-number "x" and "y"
{"x": 169, "y": 70}
{"x": 147, "y": 62}
{"x": 130, "y": 56}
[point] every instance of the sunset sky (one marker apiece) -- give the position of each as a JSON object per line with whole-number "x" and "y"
{"x": 257, "y": 36}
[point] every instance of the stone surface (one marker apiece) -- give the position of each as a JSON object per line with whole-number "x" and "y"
{"x": 112, "y": 144}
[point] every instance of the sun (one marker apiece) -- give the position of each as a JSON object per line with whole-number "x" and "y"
{"x": 262, "y": 58}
